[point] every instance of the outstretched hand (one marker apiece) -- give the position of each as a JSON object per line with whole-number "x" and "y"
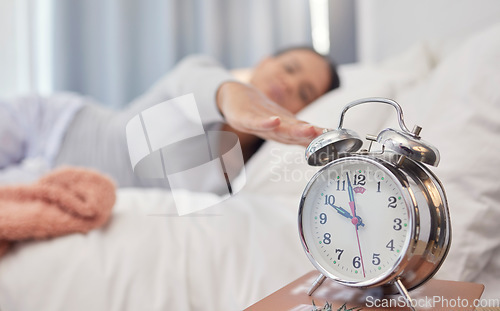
{"x": 248, "y": 110}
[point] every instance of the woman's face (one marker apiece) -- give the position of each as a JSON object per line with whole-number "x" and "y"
{"x": 292, "y": 79}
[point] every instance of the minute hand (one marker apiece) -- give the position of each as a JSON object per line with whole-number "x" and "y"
{"x": 349, "y": 190}
{"x": 352, "y": 204}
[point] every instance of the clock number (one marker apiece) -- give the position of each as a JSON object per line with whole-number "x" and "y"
{"x": 390, "y": 245}
{"x": 359, "y": 179}
{"x": 327, "y": 238}
{"x": 397, "y": 225}
{"x": 340, "y": 252}
{"x": 356, "y": 262}
{"x": 392, "y": 202}
{"x": 329, "y": 200}
{"x": 322, "y": 218}
{"x": 376, "y": 259}
{"x": 338, "y": 185}
{"x": 378, "y": 186}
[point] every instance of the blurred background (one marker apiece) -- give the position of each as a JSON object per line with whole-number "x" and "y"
{"x": 113, "y": 50}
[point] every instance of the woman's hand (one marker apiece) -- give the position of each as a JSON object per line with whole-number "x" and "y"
{"x": 248, "y": 110}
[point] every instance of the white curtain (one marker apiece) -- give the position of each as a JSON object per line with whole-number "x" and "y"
{"x": 113, "y": 50}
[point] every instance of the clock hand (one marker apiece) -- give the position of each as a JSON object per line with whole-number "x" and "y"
{"x": 352, "y": 205}
{"x": 341, "y": 211}
{"x": 360, "y": 254}
{"x": 346, "y": 214}
{"x": 354, "y": 220}
{"x": 351, "y": 196}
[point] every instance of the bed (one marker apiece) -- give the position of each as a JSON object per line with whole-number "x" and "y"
{"x": 231, "y": 255}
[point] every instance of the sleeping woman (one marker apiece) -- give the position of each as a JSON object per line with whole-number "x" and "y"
{"x": 68, "y": 129}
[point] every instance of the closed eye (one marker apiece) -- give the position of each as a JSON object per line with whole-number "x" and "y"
{"x": 289, "y": 68}
{"x": 304, "y": 97}
{"x": 306, "y": 93}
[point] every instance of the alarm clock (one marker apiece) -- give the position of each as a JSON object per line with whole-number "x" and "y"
{"x": 374, "y": 218}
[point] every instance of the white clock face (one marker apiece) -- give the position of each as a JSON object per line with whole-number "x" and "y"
{"x": 355, "y": 222}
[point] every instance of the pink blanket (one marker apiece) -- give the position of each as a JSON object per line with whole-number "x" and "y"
{"x": 64, "y": 201}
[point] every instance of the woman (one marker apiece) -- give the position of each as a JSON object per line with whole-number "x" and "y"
{"x": 67, "y": 129}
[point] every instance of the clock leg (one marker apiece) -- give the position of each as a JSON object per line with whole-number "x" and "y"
{"x": 317, "y": 283}
{"x": 404, "y": 292}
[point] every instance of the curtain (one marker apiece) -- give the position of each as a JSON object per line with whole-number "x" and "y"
{"x": 113, "y": 50}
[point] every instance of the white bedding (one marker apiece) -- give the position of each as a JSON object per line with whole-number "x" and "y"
{"x": 148, "y": 258}
{"x": 232, "y": 255}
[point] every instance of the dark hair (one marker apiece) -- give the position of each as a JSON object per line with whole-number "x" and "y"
{"x": 334, "y": 76}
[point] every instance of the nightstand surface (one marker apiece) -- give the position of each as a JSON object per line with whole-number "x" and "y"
{"x": 294, "y": 296}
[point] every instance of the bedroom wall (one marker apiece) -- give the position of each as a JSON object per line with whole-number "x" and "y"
{"x": 370, "y": 31}
{"x": 9, "y": 42}
{"x": 387, "y": 27}
{"x": 343, "y": 31}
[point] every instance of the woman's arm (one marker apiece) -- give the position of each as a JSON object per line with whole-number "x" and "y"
{"x": 217, "y": 94}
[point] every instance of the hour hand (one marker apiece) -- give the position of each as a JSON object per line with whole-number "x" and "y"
{"x": 346, "y": 214}
{"x": 342, "y": 211}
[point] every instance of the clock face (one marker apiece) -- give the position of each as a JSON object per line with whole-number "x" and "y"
{"x": 354, "y": 221}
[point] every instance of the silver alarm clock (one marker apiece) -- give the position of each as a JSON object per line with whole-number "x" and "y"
{"x": 374, "y": 218}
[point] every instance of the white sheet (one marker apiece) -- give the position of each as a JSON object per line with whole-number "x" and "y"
{"x": 148, "y": 258}
{"x": 233, "y": 255}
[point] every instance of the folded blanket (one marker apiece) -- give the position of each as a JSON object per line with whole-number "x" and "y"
{"x": 67, "y": 200}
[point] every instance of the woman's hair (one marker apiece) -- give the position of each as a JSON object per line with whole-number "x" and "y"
{"x": 334, "y": 76}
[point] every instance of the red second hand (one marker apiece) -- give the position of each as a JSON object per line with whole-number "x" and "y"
{"x": 355, "y": 223}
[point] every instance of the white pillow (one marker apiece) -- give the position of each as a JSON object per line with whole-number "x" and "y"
{"x": 458, "y": 107}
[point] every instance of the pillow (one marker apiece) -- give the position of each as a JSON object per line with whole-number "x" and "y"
{"x": 242, "y": 74}
{"x": 458, "y": 106}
